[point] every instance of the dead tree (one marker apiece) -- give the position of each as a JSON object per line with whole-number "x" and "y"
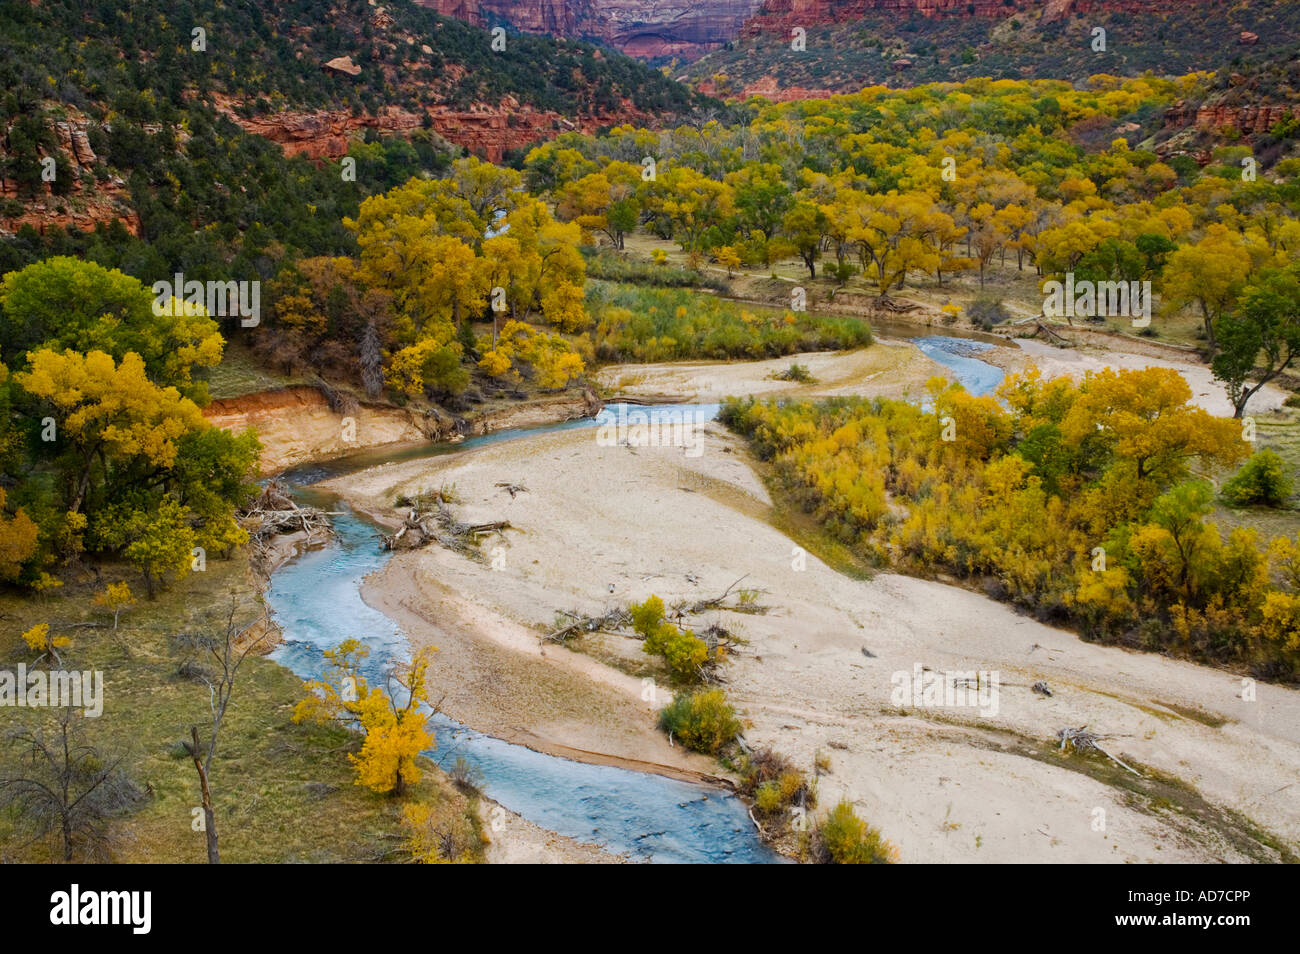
{"x": 1081, "y": 739}
{"x": 226, "y": 653}
{"x": 438, "y": 524}
{"x": 612, "y": 621}
{"x": 65, "y": 787}
{"x": 275, "y": 512}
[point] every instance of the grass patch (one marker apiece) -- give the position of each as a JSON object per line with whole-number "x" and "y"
{"x": 282, "y": 792}
{"x": 240, "y": 373}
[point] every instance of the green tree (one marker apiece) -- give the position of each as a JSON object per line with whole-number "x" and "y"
{"x": 67, "y": 303}
{"x": 1262, "y": 339}
{"x": 806, "y": 225}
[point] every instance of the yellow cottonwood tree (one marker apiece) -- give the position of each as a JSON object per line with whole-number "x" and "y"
{"x": 395, "y": 732}
{"x": 109, "y": 409}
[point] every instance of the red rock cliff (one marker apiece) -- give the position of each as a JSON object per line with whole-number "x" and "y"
{"x": 644, "y": 28}
{"x": 486, "y": 131}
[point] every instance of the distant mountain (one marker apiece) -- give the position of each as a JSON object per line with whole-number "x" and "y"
{"x": 849, "y": 44}
{"x": 650, "y": 29}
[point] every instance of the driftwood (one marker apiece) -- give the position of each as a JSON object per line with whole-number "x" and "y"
{"x": 1052, "y": 336}
{"x": 439, "y": 525}
{"x": 274, "y": 512}
{"x": 1081, "y": 739}
{"x": 512, "y": 489}
{"x": 612, "y": 621}
{"x": 718, "y": 602}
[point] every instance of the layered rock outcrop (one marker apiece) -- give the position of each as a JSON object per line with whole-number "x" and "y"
{"x": 1246, "y": 120}
{"x": 486, "y": 131}
{"x": 79, "y": 208}
{"x": 686, "y": 29}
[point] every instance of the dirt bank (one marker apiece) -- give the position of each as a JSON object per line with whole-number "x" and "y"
{"x": 296, "y": 424}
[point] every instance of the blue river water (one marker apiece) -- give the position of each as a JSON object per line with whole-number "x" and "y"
{"x": 959, "y": 356}
{"x": 317, "y": 601}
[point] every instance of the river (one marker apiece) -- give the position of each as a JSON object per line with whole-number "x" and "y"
{"x": 317, "y": 602}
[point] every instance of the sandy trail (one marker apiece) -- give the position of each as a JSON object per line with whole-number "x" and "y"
{"x": 609, "y": 525}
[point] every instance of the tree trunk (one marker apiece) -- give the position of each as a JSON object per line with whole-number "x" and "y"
{"x": 209, "y": 819}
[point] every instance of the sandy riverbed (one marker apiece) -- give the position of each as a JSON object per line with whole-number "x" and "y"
{"x": 606, "y": 525}
{"x": 896, "y": 369}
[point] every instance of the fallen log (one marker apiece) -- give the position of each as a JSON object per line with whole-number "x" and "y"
{"x": 1081, "y": 739}
{"x": 439, "y": 525}
{"x": 612, "y": 621}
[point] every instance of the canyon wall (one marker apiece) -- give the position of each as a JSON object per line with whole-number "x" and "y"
{"x": 486, "y": 131}
{"x": 80, "y": 208}
{"x": 686, "y": 29}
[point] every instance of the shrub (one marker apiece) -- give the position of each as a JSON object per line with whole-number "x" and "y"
{"x": 774, "y": 783}
{"x": 987, "y": 311}
{"x": 796, "y": 372}
{"x": 1261, "y": 480}
{"x": 703, "y": 721}
{"x": 845, "y": 839}
{"x": 684, "y": 652}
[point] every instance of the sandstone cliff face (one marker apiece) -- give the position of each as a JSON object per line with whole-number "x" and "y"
{"x": 296, "y": 424}
{"x": 646, "y": 28}
{"x": 783, "y": 15}
{"x": 81, "y": 208}
{"x": 486, "y": 131}
{"x": 769, "y": 89}
{"x": 1247, "y": 120}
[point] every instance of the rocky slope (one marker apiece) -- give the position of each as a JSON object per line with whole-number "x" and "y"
{"x": 781, "y": 15}
{"x": 486, "y": 131}
{"x": 136, "y": 125}
{"x": 849, "y": 44}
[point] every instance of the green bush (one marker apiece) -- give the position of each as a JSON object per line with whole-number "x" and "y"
{"x": 1262, "y": 480}
{"x": 796, "y": 372}
{"x": 987, "y": 311}
{"x": 845, "y": 839}
{"x": 608, "y": 266}
{"x": 703, "y": 721}
{"x": 638, "y": 323}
